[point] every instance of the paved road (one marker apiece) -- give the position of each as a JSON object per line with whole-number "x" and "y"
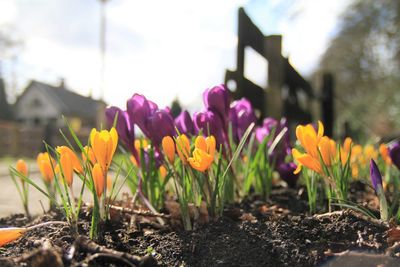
{"x": 9, "y": 198}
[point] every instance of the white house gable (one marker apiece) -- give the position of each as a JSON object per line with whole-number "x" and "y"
{"x": 36, "y": 106}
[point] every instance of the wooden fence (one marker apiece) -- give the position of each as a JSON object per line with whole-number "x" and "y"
{"x": 20, "y": 140}
{"x": 295, "y": 103}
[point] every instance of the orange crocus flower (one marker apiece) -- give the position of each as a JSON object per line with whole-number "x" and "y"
{"x": 168, "y": 146}
{"x": 76, "y": 164}
{"x": 8, "y": 235}
{"x": 104, "y": 144}
{"x": 384, "y": 151}
{"x": 22, "y": 167}
{"x": 45, "y": 163}
{"x": 89, "y": 152}
{"x": 98, "y": 179}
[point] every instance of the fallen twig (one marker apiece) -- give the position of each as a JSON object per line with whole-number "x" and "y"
{"x": 83, "y": 243}
{"x": 355, "y": 214}
{"x": 140, "y": 213}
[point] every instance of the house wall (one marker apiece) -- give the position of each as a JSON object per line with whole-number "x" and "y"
{"x": 36, "y": 108}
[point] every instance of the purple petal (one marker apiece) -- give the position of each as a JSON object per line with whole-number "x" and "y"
{"x": 160, "y": 124}
{"x": 376, "y": 177}
{"x": 184, "y": 123}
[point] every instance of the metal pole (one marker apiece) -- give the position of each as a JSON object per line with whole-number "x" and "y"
{"x": 102, "y": 46}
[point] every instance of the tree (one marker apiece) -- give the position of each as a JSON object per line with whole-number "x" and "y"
{"x": 365, "y": 59}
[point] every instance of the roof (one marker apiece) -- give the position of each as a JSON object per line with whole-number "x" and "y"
{"x": 68, "y": 102}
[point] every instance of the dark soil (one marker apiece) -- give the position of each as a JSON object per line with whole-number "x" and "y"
{"x": 253, "y": 233}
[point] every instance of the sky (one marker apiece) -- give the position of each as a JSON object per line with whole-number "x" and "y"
{"x": 162, "y": 49}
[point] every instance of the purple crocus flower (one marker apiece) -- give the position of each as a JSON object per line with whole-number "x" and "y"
{"x": 217, "y": 99}
{"x": 185, "y": 124}
{"x": 241, "y": 116}
{"x": 160, "y": 124}
{"x": 263, "y": 131}
{"x": 394, "y": 152}
{"x": 139, "y": 109}
{"x": 376, "y": 177}
{"x": 210, "y": 123}
{"x": 285, "y": 171}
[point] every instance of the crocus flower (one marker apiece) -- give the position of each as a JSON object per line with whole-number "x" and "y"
{"x": 309, "y": 138}
{"x": 203, "y": 154}
{"x": 217, "y": 99}
{"x": 241, "y": 115}
{"x": 22, "y": 167}
{"x": 104, "y": 144}
{"x": 327, "y": 147}
{"x": 306, "y": 160}
{"x": 64, "y": 150}
{"x": 184, "y": 123}
{"x": 10, "y": 234}
{"x": 160, "y": 124}
{"x": 87, "y": 154}
{"x": 183, "y": 147}
{"x": 394, "y": 152}
{"x": 285, "y": 171}
{"x": 139, "y": 110}
{"x": 263, "y": 131}
{"x": 66, "y": 168}
{"x": 46, "y": 163}
{"x": 98, "y": 179}
{"x": 384, "y": 151}
{"x": 376, "y": 177}
{"x": 210, "y": 124}
{"x": 168, "y": 146}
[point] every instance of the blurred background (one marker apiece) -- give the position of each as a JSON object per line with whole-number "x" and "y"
{"x": 332, "y": 60}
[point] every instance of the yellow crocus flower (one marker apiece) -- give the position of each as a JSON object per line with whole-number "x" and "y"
{"x": 104, "y": 144}
{"x": 327, "y": 147}
{"x": 203, "y": 154}
{"x": 309, "y": 138}
{"x": 306, "y": 160}
{"x": 183, "y": 147}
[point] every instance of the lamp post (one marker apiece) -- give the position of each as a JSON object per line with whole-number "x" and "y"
{"x": 102, "y": 45}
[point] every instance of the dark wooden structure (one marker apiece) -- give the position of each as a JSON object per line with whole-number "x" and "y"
{"x": 287, "y": 94}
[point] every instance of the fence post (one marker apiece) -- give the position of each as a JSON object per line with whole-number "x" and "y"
{"x": 327, "y": 107}
{"x": 273, "y": 96}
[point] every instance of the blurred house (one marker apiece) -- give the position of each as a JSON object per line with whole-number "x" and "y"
{"x": 42, "y": 104}
{"x": 5, "y": 108}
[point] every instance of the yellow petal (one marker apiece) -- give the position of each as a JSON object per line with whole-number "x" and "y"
{"x": 8, "y": 235}
{"x": 200, "y": 143}
{"x": 320, "y": 129}
{"x": 211, "y": 143}
{"x": 183, "y": 147}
